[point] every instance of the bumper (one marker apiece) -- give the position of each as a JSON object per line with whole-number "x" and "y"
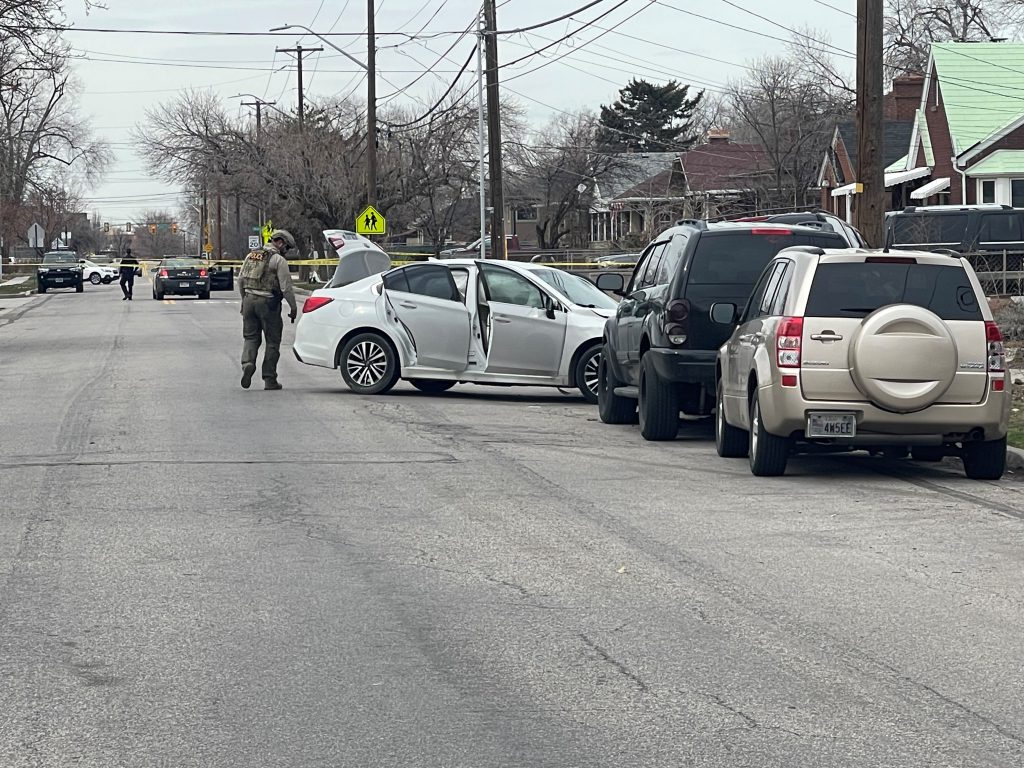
{"x": 784, "y": 412}
{"x": 62, "y": 281}
{"x": 685, "y": 366}
{"x": 314, "y": 344}
{"x": 200, "y": 285}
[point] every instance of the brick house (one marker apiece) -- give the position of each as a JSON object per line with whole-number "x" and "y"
{"x": 966, "y": 145}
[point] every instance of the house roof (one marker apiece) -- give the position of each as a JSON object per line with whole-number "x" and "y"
{"x": 1002, "y": 162}
{"x": 981, "y": 88}
{"x": 722, "y": 166}
{"x": 641, "y": 166}
{"x": 666, "y": 184}
{"x": 895, "y": 139}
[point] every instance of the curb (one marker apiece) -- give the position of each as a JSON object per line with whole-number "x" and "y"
{"x": 1014, "y": 458}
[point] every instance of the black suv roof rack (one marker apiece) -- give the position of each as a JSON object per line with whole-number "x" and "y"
{"x": 697, "y": 223}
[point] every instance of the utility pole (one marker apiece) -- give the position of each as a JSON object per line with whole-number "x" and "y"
{"x": 869, "y": 215}
{"x": 300, "y": 53}
{"x": 259, "y": 104}
{"x": 480, "y": 131}
{"x": 494, "y": 131}
{"x": 371, "y": 106}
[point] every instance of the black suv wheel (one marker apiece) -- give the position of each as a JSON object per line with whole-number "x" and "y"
{"x": 985, "y": 459}
{"x": 658, "y": 405}
{"x": 612, "y": 408}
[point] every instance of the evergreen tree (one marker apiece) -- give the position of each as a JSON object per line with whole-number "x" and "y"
{"x": 650, "y": 118}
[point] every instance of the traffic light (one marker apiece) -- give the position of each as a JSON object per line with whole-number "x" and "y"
{"x": 174, "y": 228}
{"x": 152, "y": 229}
{"x": 106, "y": 226}
{"x": 128, "y": 227}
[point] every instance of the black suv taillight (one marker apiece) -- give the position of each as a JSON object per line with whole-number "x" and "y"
{"x": 677, "y": 322}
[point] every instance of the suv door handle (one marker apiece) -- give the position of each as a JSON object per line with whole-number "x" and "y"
{"x": 826, "y": 336}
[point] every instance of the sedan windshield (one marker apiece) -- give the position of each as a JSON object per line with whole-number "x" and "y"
{"x": 577, "y": 289}
{"x": 59, "y": 258}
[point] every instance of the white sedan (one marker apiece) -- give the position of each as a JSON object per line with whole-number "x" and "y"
{"x": 436, "y": 324}
{"x": 97, "y": 273}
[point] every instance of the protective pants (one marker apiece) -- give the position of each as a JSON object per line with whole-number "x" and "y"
{"x": 261, "y": 317}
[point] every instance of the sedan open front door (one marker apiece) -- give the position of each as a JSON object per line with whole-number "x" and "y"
{"x": 427, "y": 303}
{"x": 525, "y": 334}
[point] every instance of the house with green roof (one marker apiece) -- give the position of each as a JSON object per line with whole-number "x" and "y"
{"x": 969, "y": 127}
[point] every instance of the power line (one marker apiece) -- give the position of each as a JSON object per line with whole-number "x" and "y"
{"x": 438, "y": 103}
{"x": 549, "y": 21}
{"x": 222, "y": 33}
{"x": 566, "y": 37}
{"x": 834, "y": 8}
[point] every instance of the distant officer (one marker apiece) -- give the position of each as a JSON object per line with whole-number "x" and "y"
{"x": 263, "y": 281}
{"x": 128, "y": 266}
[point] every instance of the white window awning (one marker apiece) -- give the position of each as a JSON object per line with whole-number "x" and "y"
{"x": 933, "y": 187}
{"x": 900, "y": 177}
{"x": 846, "y": 189}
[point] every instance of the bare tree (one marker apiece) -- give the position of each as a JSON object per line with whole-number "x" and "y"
{"x": 791, "y": 113}
{"x": 911, "y": 26}
{"x": 562, "y": 165}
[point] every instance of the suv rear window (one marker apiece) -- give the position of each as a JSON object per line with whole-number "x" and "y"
{"x": 856, "y": 289}
{"x": 738, "y": 258}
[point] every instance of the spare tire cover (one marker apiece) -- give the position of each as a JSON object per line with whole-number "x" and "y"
{"x": 903, "y": 358}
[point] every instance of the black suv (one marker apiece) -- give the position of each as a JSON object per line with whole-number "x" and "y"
{"x": 59, "y": 269}
{"x": 660, "y": 347}
{"x": 964, "y": 229}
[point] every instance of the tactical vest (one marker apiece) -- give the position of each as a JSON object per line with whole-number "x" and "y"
{"x": 257, "y": 274}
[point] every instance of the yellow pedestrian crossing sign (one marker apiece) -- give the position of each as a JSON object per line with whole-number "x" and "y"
{"x": 371, "y": 222}
{"x": 267, "y": 231}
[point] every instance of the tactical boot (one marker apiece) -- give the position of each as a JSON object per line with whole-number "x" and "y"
{"x": 247, "y": 372}
{"x": 272, "y": 384}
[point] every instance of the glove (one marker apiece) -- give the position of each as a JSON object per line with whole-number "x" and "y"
{"x": 291, "y": 315}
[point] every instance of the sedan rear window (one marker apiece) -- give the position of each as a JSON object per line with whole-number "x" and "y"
{"x": 859, "y": 288}
{"x": 738, "y": 258}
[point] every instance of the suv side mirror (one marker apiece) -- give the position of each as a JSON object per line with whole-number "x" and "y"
{"x": 723, "y": 313}
{"x": 611, "y": 283}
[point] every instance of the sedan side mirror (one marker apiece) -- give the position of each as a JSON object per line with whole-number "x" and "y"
{"x": 611, "y": 283}
{"x": 723, "y": 313}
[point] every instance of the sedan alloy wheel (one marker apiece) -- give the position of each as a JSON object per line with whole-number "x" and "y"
{"x": 369, "y": 364}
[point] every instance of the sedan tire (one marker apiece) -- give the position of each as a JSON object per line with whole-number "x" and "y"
{"x": 658, "y": 404}
{"x": 587, "y": 372}
{"x": 432, "y": 386}
{"x": 369, "y": 364}
{"x": 612, "y": 408}
{"x": 769, "y": 453}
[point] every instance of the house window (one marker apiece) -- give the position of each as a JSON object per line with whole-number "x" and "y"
{"x": 526, "y": 213}
{"x": 1017, "y": 193}
{"x": 987, "y": 190}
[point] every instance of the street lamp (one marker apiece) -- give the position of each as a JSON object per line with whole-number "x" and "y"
{"x": 371, "y": 94}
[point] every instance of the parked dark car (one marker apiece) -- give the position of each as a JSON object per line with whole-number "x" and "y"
{"x": 828, "y": 222}
{"x": 59, "y": 269}
{"x": 661, "y": 345}
{"x": 222, "y": 277}
{"x": 985, "y": 228}
{"x": 181, "y": 276}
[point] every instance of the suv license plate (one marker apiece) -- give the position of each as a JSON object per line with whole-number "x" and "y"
{"x": 831, "y": 425}
{"x": 58, "y": 279}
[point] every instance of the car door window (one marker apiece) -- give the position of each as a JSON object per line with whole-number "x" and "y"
{"x": 779, "y": 303}
{"x": 670, "y": 260}
{"x": 1000, "y": 228}
{"x": 650, "y": 274}
{"x": 638, "y": 271}
{"x": 754, "y": 303}
{"x": 507, "y": 287}
{"x": 432, "y": 280}
{"x": 396, "y": 281}
{"x": 765, "y": 306}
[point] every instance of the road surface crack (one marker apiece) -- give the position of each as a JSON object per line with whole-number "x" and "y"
{"x": 617, "y": 665}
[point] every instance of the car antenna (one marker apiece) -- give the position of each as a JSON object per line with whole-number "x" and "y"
{"x": 888, "y": 239}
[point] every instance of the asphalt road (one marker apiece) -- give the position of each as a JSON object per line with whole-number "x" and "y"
{"x": 196, "y": 575}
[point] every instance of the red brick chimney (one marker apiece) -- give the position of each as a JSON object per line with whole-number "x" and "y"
{"x": 905, "y": 97}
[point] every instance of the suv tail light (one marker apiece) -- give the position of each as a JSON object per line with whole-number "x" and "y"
{"x": 315, "y": 302}
{"x": 788, "y": 339}
{"x": 677, "y": 321}
{"x": 996, "y": 353}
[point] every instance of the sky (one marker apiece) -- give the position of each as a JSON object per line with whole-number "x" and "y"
{"x": 123, "y": 74}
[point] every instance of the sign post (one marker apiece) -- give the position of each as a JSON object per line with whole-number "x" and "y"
{"x": 371, "y": 222}
{"x": 36, "y": 236}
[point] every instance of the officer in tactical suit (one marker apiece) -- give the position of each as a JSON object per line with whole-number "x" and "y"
{"x": 263, "y": 281}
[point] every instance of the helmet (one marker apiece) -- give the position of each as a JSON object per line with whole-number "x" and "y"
{"x": 283, "y": 234}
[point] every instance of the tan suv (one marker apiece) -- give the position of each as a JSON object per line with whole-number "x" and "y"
{"x": 863, "y": 349}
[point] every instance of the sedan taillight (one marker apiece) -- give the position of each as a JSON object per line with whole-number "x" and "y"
{"x": 202, "y": 273}
{"x": 315, "y": 302}
{"x": 163, "y": 273}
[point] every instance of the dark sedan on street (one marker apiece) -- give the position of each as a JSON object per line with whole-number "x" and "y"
{"x": 181, "y": 276}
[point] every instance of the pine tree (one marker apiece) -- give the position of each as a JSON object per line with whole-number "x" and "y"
{"x": 650, "y": 118}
